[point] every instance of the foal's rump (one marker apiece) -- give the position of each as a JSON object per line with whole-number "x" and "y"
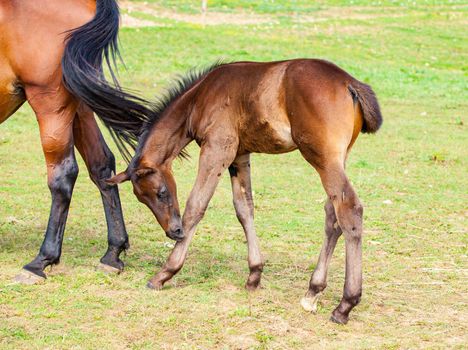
{"x": 327, "y": 107}
{"x": 330, "y": 85}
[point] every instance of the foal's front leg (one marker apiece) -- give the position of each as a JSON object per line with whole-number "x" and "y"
{"x": 55, "y": 111}
{"x": 215, "y": 157}
{"x": 243, "y": 203}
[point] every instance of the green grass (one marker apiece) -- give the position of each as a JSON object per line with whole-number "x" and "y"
{"x": 414, "y": 54}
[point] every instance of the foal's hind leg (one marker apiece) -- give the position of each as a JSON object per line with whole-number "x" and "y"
{"x": 55, "y": 110}
{"x": 101, "y": 165}
{"x": 349, "y": 213}
{"x": 318, "y": 281}
{"x": 243, "y": 203}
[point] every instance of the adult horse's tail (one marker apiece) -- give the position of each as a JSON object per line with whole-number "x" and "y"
{"x": 82, "y": 64}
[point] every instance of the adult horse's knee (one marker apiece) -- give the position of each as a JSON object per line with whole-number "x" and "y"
{"x": 62, "y": 179}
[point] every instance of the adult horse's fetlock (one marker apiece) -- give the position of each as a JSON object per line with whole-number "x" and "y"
{"x": 111, "y": 259}
{"x": 34, "y": 271}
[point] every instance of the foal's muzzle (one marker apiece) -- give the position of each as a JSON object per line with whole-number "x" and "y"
{"x": 177, "y": 234}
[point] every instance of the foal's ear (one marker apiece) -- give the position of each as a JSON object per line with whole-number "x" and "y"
{"x": 142, "y": 172}
{"x": 119, "y": 178}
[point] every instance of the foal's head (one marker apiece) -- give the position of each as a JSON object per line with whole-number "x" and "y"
{"x": 155, "y": 186}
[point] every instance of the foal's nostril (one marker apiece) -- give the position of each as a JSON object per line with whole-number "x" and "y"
{"x": 176, "y": 234}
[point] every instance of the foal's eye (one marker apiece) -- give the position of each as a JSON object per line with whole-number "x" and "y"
{"x": 163, "y": 193}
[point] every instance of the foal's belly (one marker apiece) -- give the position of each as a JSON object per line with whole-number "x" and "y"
{"x": 268, "y": 134}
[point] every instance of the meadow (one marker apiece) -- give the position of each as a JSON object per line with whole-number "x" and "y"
{"x": 411, "y": 177}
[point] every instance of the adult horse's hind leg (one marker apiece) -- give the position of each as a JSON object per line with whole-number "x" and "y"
{"x": 318, "y": 281}
{"x": 243, "y": 203}
{"x": 101, "y": 165}
{"x": 55, "y": 110}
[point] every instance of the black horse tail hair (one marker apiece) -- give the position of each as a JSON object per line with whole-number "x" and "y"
{"x": 122, "y": 112}
{"x": 367, "y": 99}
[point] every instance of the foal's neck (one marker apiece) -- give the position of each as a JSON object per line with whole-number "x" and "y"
{"x": 167, "y": 137}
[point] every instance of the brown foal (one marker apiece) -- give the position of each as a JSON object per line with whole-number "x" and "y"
{"x": 232, "y": 110}
{"x": 51, "y": 55}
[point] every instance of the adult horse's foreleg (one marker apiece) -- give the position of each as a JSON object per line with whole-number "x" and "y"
{"x": 55, "y": 111}
{"x": 101, "y": 165}
{"x": 243, "y": 203}
{"x": 215, "y": 157}
{"x": 318, "y": 281}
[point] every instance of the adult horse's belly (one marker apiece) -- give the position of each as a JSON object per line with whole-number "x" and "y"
{"x": 11, "y": 95}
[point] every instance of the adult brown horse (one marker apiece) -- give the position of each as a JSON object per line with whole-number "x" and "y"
{"x": 235, "y": 109}
{"x": 58, "y": 69}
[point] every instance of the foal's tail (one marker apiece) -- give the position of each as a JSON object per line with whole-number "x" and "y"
{"x": 364, "y": 94}
{"x": 87, "y": 47}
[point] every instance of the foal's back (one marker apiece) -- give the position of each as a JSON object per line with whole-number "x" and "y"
{"x": 276, "y": 107}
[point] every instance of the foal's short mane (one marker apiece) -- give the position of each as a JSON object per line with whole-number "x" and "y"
{"x": 180, "y": 85}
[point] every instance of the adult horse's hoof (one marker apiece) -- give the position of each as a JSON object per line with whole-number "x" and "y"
{"x": 28, "y": 278}
{"x": 154, "y": 285}
{"x": 309, "y": 303}
{"x": 339, "y": 318}
{"x": 107, "y": 269}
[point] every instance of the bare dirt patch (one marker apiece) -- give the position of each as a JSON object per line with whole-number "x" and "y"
{"x": 210, "y": 18}
{"x": 132, "y": 22}
{"x": 248, "y": 18}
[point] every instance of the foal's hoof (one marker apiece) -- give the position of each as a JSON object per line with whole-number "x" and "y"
{"x": 154, "y": 285}
{"x": 339, "y": 318}
{"x": 28, "y": 278}
{"x": 109, "y": 270}
{"x": 252, "y": 286}
{"x": 253, "y": 282}
{"x": 309, "y": 303}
